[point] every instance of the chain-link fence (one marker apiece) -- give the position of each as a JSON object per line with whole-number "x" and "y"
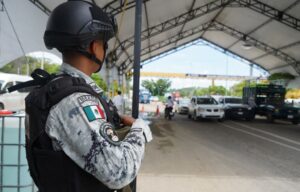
{"x": 14, "y": 174}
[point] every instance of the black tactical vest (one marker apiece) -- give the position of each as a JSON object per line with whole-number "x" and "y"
{"x": 54, "y": 171}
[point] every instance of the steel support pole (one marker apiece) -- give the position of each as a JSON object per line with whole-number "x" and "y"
{"x": 136, "y": 67}
{"x": 137, "y": 59}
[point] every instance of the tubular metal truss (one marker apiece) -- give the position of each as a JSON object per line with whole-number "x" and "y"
{"x": 216, "y": 26}
{"x": 268, "y": 11}
{"x": 167, "y": 42}
{"x": 212, "y": 26}
{"x": 260, "y": 45}
{"x": 172, "y": 23}
{"x": 41, "y": 6}
{"x": 205, "y": 9}
{"x": 206, "y": 43}
{"x": 117, "y": 6}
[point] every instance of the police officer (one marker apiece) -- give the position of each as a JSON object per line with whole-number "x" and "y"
{"x": 71, "y": 145}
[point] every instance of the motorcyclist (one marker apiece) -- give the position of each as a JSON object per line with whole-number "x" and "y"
{"x": 169, "y": 106}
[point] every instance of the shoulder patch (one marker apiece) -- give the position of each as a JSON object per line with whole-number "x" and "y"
{"x": 84, "y": 99}
{"x": 109, "y": 134}
{"x": 94, "y": 112}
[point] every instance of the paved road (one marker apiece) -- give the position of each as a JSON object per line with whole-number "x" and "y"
{"x": 189, "y": 156}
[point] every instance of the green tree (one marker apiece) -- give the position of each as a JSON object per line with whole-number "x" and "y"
{"x": 149, "y": 85}
{"x": 157, "y": 88}
{"x": 237, "y": 89}
{"x": 99, "y": 81}
{"x": 211, "y": 90}
{"x": 162, "y": 86}
{"x": 23, "y": 64}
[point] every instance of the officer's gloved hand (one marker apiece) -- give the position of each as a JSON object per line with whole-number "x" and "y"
{"x": 138, "y": 123}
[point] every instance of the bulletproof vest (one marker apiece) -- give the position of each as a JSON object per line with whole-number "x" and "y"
{"x": 54, "y": 171}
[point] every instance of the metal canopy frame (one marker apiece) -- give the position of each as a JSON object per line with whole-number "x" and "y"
{"x": 192, "y": 14}
{"x": 124, "y": 69}
{"x": 41, "y": 6}
{"x": 217, "y": 26}
{"x": 172, "y": 23}
{"x": 271, "y": 12}
{"x": 115, "y": 7}
{"x": 197, "y": 30}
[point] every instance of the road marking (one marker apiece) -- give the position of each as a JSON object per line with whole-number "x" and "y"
{"x": 262, "y": 137}
{"x": 268, "y": 133}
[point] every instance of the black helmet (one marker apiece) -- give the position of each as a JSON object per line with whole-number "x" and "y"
{"x": 73, "y": 25}
{"x": 76, "y": 24}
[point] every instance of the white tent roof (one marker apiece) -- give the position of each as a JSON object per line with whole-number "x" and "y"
{"x": 272, "y": 27}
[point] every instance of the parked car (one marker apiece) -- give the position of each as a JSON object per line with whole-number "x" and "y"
{"x": 182, "y": 106}
{"x": 16, "y": 100}
{"x": 205, "y": 107}
{"x": 235, "y": 109}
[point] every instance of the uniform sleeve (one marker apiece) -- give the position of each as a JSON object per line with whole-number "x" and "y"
{"x": 78, "y": 125}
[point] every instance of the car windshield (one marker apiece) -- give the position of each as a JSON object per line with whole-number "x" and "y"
{"x": 206, "y": 101}
{"x": 184, "y": 102}
{"x": 233, "y": 100}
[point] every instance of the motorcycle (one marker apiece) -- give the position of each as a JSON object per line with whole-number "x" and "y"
{"x": 169, "y": 114}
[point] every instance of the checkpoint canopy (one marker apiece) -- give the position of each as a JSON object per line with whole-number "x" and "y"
{"x": 266, "y": 33}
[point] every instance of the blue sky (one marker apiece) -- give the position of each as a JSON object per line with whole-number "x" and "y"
{"x": 200, "y": 59}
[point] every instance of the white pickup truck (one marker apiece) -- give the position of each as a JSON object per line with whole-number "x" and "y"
{"x": 205, "y": 107}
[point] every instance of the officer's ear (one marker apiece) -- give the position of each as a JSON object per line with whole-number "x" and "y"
{"x": 96, "y": 46}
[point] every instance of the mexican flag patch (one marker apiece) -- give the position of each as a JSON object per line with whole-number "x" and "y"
{"x": 94, "y": 112}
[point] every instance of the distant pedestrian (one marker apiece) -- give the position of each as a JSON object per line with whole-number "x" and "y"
{"x": 119, "y": 102}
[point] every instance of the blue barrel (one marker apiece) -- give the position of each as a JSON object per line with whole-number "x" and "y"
{"x": 14, "y": 174}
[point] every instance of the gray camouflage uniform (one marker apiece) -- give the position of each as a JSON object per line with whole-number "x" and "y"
{"x": 92, "y": 144}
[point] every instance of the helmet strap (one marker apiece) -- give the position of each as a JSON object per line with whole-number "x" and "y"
{"x": 92, "y": 57}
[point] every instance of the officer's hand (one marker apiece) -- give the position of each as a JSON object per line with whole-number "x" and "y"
{"x": 127, "y": 120}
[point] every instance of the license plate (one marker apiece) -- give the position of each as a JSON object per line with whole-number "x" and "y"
{"x": 240, "y": 113}
{"x": 290, "y": 116}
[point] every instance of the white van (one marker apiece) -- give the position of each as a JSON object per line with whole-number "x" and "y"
{"x": 16, "y": 100}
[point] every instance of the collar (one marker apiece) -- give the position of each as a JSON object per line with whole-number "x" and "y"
{"x": 70, "y": 70}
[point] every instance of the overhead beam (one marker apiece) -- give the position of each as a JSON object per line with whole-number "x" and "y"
{"x": 215, "y": 17}
{"x": 117, "y": 6}
{"x": 41, "y": 6}
{"x": 258, "y": 44}
{"x": 261, "y": 11}
{"x": 205, "y": 9}
{"x": 172, "y": 23}
{"x": 216, "y": 26}
{"x": 207, "y": 43}
{"x": 173, "y": 50}
{"x": 270, "y": 11}
{"x": 280, "y": 48}
{"x": 126, "y": 64}
{"x": 183, "y": 25}
{"x": 169, "y": 41}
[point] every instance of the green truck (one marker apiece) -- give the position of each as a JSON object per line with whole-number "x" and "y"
{"x": 268, "y": 100}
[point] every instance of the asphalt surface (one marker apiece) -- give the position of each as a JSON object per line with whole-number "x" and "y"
{"x": 189, "y": 156}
